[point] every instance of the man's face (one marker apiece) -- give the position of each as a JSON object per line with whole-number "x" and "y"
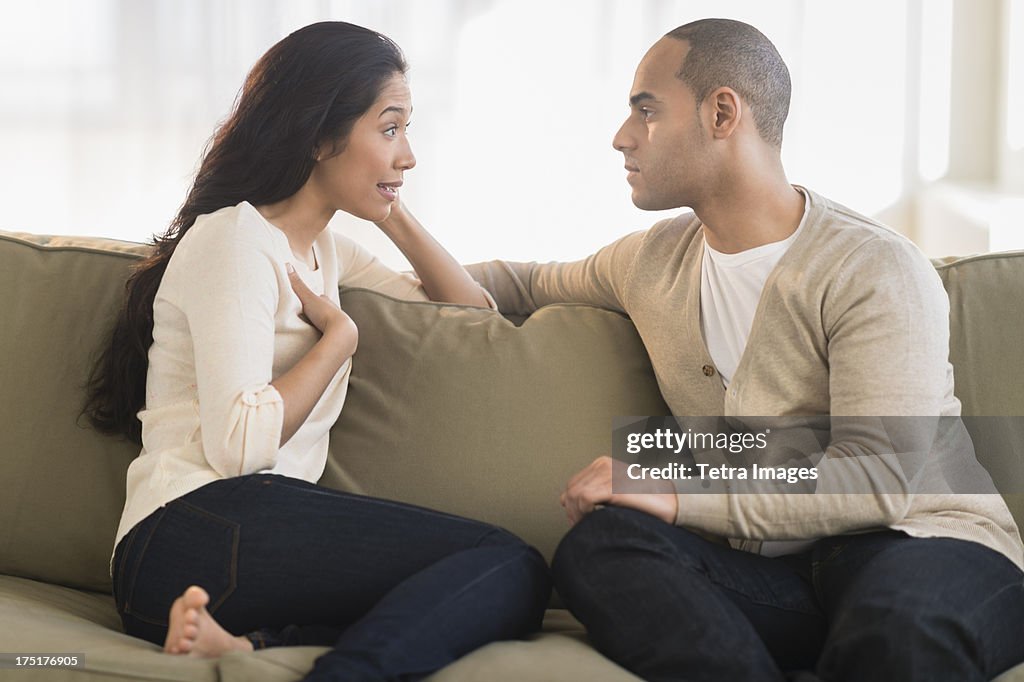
{"x": 664, "y": 146}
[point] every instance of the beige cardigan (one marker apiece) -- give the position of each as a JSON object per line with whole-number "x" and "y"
{"x": 853, "y": 321}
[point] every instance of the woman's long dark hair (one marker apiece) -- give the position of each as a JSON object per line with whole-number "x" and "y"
{"x": 306, "y": 91}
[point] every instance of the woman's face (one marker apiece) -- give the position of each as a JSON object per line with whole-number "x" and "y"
{"x": 363, "y": 179}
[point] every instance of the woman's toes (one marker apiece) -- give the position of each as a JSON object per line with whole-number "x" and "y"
{"x": 195, "y": 597}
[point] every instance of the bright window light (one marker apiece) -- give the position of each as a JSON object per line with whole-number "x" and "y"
{"x": 516, "y": 105}
{"x": 1015, "y": 77}
{"x": 935, "y": 80}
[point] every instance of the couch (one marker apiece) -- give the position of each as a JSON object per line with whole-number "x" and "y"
{"x": 451, "y": 407}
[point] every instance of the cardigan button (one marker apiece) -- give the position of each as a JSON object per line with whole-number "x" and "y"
{"x": 708, "y": 370}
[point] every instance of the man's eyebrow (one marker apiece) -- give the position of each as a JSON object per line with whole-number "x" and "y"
{"x": 396, "y": 109}
{"x": 641, "y": 97}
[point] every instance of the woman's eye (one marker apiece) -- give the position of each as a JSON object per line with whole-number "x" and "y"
{"x": 392, "y": 131}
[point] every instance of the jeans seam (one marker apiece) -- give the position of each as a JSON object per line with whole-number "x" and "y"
{"x": 818, "y": 563}
{"x": 233, "y": 567}
{"x": 135, "y": 575}
{"x": 762, "y": 602}
{"x": 129, "y": 541}
{"x": 493, "y": 530}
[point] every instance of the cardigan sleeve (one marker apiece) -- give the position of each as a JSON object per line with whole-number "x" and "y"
{"x": 599, "y": 279}
{"x": 227, "y": 288}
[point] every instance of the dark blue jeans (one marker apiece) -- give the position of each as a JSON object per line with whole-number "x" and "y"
{"x": 398, "y": 591}
{"x": 669, "y": 605}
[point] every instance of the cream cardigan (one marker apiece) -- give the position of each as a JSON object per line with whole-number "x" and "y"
{"x": 225, "y": 324}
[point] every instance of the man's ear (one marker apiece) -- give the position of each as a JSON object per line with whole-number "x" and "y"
{"x": 726, "y": 109}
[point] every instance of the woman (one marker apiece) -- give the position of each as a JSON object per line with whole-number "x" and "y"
{"x": 234, "y": 352}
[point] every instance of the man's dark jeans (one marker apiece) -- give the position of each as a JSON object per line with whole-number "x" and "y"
{"x": 398, "y": 591}
{"x": 669, "y": 605}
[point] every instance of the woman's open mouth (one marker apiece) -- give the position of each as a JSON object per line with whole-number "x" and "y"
{"x": 389, "y": 189}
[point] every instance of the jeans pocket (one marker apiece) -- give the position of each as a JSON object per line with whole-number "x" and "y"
{"x": 121, "y": 556}
{"x": 185, "y": 545}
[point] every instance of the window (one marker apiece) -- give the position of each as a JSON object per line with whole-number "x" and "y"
{"x": 108, "y": 105}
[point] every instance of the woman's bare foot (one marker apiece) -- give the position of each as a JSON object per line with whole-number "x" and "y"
{"x": 194, "y": 632}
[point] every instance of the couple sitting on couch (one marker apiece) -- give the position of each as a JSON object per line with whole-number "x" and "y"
{"x": 231, "y": 357}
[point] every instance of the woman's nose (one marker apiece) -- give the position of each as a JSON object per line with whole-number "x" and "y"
{"x": 406, "y": 159}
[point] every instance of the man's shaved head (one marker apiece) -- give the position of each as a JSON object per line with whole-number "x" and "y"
{"x": 729, "y": 53}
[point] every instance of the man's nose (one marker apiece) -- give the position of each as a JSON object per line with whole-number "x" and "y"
{"x": 623, "y": 140}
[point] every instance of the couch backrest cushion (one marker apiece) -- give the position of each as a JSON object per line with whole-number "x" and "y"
{"x": 460, "y": 410}
{"x": 63, "y": 483}
{"x": 986, "y": 301}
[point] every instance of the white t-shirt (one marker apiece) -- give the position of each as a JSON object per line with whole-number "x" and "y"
{"x": 730, "y": 290}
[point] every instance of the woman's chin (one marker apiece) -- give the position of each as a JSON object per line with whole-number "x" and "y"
{"x": 385, "y": 215}
{"x": 375, "y": 214}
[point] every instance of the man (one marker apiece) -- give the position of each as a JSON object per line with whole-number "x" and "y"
{"x": 769, "y": 299}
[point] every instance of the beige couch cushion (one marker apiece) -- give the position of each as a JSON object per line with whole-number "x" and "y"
{"x": 63, "y": 482}
{"x": 986, "y": 301}
{"x": 458, "y": 409}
